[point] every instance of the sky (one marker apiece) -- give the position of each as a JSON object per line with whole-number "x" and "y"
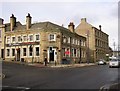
{"x": 97, "y": 12}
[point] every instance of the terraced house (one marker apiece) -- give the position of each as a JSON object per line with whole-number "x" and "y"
{"x": 34, "y": 42}
{"x": 97, "y": 40}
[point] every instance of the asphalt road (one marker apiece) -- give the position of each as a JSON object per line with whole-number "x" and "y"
{"x": 92, "y": 77}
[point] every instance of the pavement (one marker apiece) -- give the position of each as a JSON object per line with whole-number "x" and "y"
{"x": 53, "y": 65}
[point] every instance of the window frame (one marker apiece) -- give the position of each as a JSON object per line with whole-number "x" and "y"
{"x": 36, "y": 51}
{"x": 36, "y": 37}
{"x": 54, "y": 38}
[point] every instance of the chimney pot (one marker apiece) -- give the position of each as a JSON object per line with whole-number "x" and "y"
{"x": 83, "y": 20}
{"x": 28, "y": 21}
{"x": 71, "y": 26}
{"x": 12, "y": 22}
{"x": 100, "y": 27}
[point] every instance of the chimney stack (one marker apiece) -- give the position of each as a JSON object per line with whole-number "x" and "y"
{"x": 71, "y": 26}
{"x": 83, "y": 20}
{"x": 12, "y": 22}
{"x": 100, "y": 27}
{"x": 28, "y": 21}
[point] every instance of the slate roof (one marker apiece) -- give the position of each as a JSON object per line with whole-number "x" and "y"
{"x": 37, "y": 26}
{"x": 42, "y": 26}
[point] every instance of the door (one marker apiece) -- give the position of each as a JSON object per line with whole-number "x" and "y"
{"x": 51, "y": 55}
{"x": 2, "y": 53}
{"x": 18, "y": 54}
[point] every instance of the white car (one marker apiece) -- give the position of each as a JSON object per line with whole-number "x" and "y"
{"x": 114, "y": 63}
{"x": 101, "y": 62}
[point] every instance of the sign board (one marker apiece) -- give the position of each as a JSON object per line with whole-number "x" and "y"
{"x": 67, "y": 52}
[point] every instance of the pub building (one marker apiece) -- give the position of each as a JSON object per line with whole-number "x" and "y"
{"x": 34, "y": 42}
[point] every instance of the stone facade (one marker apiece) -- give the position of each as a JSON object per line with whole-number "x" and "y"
{"x": 34, "y": 42}
{"x": 2, "y": 31}
{"x": 97, "y": 40}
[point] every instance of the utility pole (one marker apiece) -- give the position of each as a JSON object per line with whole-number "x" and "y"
{"x": 114, "y": 48}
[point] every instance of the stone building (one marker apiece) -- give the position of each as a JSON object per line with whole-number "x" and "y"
{"x": 2, "y": 30}
{"x": 97, "y": 40}
{"x": 34, "y": 42}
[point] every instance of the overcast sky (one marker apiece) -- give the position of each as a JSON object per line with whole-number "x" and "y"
{"x": 97, "y": 12}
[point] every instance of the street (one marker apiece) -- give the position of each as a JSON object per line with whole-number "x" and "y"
{"x": 91, "y": 77}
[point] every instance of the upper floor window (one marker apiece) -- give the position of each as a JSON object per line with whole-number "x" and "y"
{"x": 24, "y": 38}
{"x": 73, "y": 41}
{"x": 52, "y": 37}
{"x": 30, "y": 37}
{"x": 0, "y": 33}
{"x": 64, "y": 39}
{"x": 8, "y": 40}
{"x": 19, "y": 39}
{"x": 76, "y": 41}
{"x": 13, "y": 39}
{"x": 68, "y": 39}
{"x": 37, "y": 37}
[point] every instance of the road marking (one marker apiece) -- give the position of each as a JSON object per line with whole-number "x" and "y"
{"x": 107, "y": 86}
{"x": 15, "y": 87}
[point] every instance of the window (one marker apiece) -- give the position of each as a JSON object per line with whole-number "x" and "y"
{"x": 13, "y": 52}
{"x": 64, "y": 39}
{"x": 37, "y": 37}
{"x": 19, "y": 38}
{"x": 68, "y": 52}
{"x": 8, "y": 52}
{"x": 24, "y": 38}
{"x": 8, "y": 39}
{"x": 75, "y": 53}
{"x": 0, "y": 33}
{"x": 31, "y": 37}
{"x": 73, "y": 41}
{"x": 24, "y": 51}
{"x": 13, "y": 39}
{"x": 69, "y": 40}
{"x": 76, "y": 41}
{"x": 64, "y": 52}
{"x": 52, "y": 37}
{"x": 37, "y": 51}
{"x": 78, "y": 53}
{"x": 30, "y": 50}
{"x": 72, "y": 52}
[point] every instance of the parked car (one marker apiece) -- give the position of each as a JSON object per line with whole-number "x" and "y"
{"x": 114, "y": 63}
{"x": 102, "y": 62}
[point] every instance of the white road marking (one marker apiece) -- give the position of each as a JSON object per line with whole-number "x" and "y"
{"x": 16, "y": 87}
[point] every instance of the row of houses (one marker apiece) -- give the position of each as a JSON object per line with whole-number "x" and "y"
{"x": 33, "y": 42}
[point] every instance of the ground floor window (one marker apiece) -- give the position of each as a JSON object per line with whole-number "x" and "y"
{"x": 8, "y": 52}
{"x": 24, "y": 51}
{"x": 30, "y": 50}
{"x": 75, "y": 52}
{"x": 13, "y": 52}
{"x": 37, "y": 51}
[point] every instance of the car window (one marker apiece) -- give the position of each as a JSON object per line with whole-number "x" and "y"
{"x": 114, "y": 60}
